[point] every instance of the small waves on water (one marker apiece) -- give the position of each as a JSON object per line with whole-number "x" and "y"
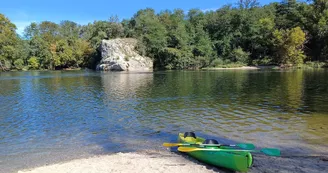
{"x": 48, "y": 117}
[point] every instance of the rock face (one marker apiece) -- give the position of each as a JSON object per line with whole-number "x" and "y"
{"x": 120, "y": 55}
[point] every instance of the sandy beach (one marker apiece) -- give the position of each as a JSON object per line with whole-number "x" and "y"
{"x": 165, "y": 161}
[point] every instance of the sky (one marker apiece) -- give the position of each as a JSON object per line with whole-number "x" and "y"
{"x": 23, "y": 12}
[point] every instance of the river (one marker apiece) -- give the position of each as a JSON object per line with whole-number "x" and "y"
{"x": 53, "y": 116}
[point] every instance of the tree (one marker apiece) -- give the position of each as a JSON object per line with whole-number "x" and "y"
{"x": 289, "y": 45}
{"x": 40, "y": 49}
{"x": 33, "y": 63}
{"x": 242, "y": 33}
{"x": 150, "y": 32}
{"x": 8, "y": 40}
{"x": 69, "y": 30}
{"x": 49, "y": 31}
{"x": 247, "y": 4}
{"x": 21, "y": 53}
{"x": 31, "y": 31}
{"x": 100, "y": 30}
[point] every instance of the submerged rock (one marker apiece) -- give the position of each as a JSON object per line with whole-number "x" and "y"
{"x": 120, "y": 55}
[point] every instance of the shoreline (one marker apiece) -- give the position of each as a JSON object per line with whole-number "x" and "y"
{"x": 143, "y": 161}
{"x": 165, "y": 161}
{"x": 242, "y": 68}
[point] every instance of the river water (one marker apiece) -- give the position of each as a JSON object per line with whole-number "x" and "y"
{"x": 48, "y": 117}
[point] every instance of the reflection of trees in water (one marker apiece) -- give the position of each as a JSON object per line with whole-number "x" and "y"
{"x": 289, "y": 91}
{"x": 50, "y": 100}
{"x": 225, "y": 102}
{"x": 316, "y": 91}
{"x": 294, "y": 89}
{"x": 9, "y": 83}
{"x": 280, "y": 91}
{"x": 286, "y": 91}
{"x": 49, "y": 108}
{"x": 185, "y": 100}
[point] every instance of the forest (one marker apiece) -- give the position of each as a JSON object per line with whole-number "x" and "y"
{"x": 290, "y": 32}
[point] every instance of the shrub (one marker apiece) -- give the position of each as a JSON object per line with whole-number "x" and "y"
{"x": 264, "y": 61}
{"x": 315, "y": 64}
{"x": 33, "y": 63}
{"x": 238, "y": 55}
{"x": 19, "y": 64}
{"x": 217, "y": 62}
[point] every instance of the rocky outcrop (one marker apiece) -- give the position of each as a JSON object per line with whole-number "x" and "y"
{"x": 120, "y": 55}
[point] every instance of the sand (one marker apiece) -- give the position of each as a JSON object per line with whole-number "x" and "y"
{"x": 126, "y": 162}
{"x": 165, "y": 161}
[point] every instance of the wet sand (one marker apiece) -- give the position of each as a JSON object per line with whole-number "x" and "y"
{"x": 165, "y": 161}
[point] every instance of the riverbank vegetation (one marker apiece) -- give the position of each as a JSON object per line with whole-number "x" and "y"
{"x": 245, "y": 33}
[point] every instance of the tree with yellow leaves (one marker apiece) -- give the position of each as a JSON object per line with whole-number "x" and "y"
{"x": 289, "y": 45}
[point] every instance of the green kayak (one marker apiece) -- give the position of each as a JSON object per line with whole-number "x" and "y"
{"x": 234, "y": 160}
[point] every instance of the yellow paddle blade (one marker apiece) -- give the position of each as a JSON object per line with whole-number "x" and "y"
{"x": 187, "y": 149}
{"x": 172, "y": 144}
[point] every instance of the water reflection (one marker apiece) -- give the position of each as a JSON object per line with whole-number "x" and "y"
{"x": 72, "y": 114}
{"x": 125, "y": 86}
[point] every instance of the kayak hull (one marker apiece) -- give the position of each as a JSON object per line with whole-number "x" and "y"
{"x": 237, "y": 161}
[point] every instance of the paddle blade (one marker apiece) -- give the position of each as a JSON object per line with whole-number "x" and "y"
{"x": 246, "y": 146}
{"x": 170, "y": 144}
{"x": 187, "y": 149}
{"x": 271, "y": 151}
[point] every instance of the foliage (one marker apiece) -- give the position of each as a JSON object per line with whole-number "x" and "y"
{"x": 19, "y": 64}
{"x": 220, "y": 63}
{"x": 263, "y": 61}
{"x": 238, "y": 55}
{"x": 289, "y": 45}
{"x": 8, "y": 39}
{"x": 245, "y": 33}
{"x": 315, "y": 64}
{"x": 33, "y": 63}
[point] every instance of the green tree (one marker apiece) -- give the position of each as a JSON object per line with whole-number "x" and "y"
{"x": 49, "y": 31}
{"x": 19, "y": 64}
{"x": 152, "y": 33}
{"x": 41, "y": 49}
{"x": 100, "y": 30}
{"x": 201, "y": 43}
{"x": 69, "y": 30}
{"x": 33, "y": 63}
{"x": 31, "y": 31}
{"x": 289, "y": 45}
{"x": 8, "y": 40}
{"x": 238, "y": 55}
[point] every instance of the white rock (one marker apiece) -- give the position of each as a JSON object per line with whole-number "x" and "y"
{"x": 120, "y": 55}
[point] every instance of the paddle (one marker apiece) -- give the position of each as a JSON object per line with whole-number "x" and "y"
{"x": 267, "y": 151}
{"x": 246, "y": 146}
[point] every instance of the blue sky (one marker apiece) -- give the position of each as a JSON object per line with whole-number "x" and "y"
{"x": 23, "y": 12}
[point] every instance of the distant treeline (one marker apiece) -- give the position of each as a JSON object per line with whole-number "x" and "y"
{"x": 244, "y": 33}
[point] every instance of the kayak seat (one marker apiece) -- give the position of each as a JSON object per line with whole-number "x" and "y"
{"x": 210, "y": 141}
{"x": 189, "y": 134}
